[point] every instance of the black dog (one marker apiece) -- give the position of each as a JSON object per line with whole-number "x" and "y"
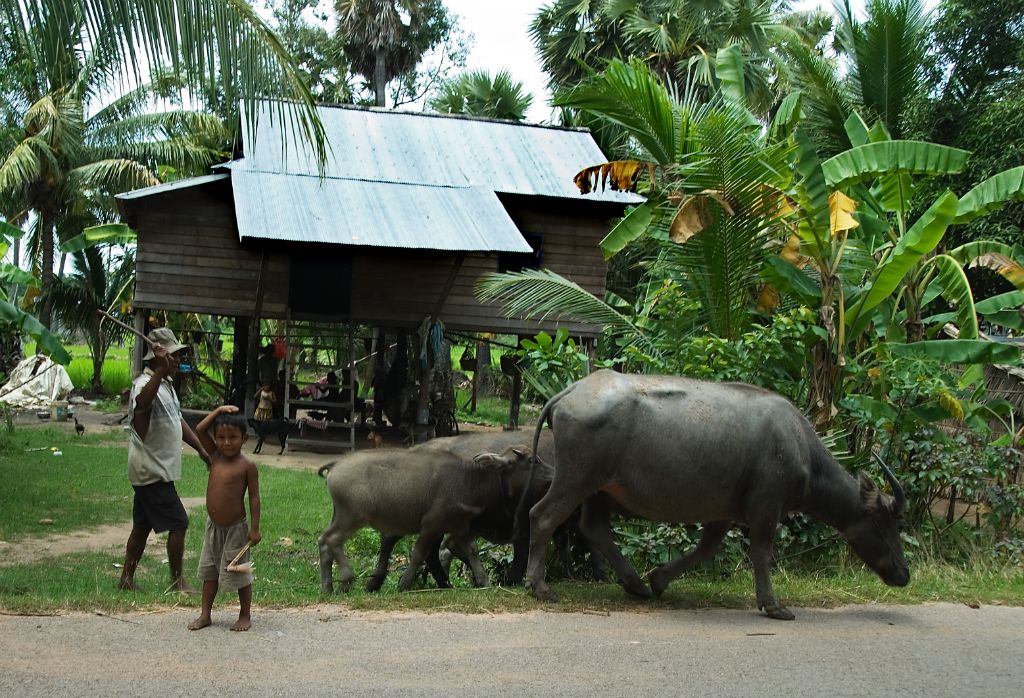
{"x": 281, "y": 427}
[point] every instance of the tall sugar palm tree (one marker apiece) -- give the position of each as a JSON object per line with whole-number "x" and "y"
{"x": 679, "y": 39}
{"x": 386, "y": 38}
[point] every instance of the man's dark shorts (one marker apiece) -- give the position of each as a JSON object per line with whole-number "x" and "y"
{"x": 158, "y": 506}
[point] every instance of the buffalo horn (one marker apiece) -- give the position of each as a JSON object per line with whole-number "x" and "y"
{"x": 899, "y": 499}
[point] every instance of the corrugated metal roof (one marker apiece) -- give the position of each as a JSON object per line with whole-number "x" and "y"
{"x": 446, "y": 151}
{"x": 357, "y": 212}
{"x": 172, "y": 186}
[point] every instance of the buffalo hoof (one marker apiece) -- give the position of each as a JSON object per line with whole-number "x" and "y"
{"x": 545, "y": 594}
{"x": 636, "y": 588}
{"x": 343, "y": 587}
{"x": 374, "y": 584}
{"x": 658, "y": 583}
{"x": 779, "y": 612}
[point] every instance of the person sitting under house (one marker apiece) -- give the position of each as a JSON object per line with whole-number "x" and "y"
{"x": 329, "y": 390}
{"x": 358, "y": 403}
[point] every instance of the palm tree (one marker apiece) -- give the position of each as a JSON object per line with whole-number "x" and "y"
{"x": 714, "y": 191}
{"x": 387, "y": 38}
{"x": 62, "y": 56}
{"x": 885, "y": 54}
{"x": 679, "y": 39}
{"x": 476, "y": 93}
{"x": 98, "y": 282}
{"x": 69, "y": 156}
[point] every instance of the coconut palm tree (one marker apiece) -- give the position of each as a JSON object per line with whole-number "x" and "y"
{"x": 63, "y": 58}
{"x": 476, "y": 93}
{"x": 99, "y": 281}
{"x": 70, "y": 154}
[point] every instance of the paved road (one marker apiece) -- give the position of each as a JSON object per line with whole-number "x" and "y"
{"x": 891, "y": 651}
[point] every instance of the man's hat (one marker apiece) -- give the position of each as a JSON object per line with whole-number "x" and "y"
{"x": 165, "y": 338}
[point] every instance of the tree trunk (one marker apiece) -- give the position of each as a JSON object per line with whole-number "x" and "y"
{"x": 824, "y": 366}
{"x": 379, "y": 82}
{"x": 46, "y": 273}
{"x": 485, "y": 378}
{"x": 10, "y": 349}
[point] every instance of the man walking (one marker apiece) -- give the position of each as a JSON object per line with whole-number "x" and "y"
{"x": 154, "y": 458}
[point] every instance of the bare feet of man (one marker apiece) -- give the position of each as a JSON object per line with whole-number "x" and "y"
{"x": 242, "y": 624}
{"x": 199, "y": 623}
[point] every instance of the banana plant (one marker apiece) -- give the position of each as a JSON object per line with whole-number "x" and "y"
{"x": 912, "y": 268}
{"x": 11, "y": 276}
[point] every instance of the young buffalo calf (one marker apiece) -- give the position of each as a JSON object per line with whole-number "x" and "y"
{"x": 403, "y": 492}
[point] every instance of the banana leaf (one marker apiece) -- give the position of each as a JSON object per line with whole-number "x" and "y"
{"x": 1003, "y": 310}
{"x": 895, "y": 192}
{"x": 31, "y": 326}
{"x": 813, "y": 194}
{"x": 956, "y": 289}
{"x": 10, "y": 274}
{"x": 113, "y": 233}
{"x": 991, "y": 195}
{"x": 729, "y": 70}
{"x": 878, "y": 411}
{"x": 920, "y": 240}
{"x": 856, "y": 129}
{"x": 1005, "y": 260}
{"x": 787, "y": 116}
{"x": 9, "y": 231}
{"x": 628, "y": 229}
{"x": 870, "y": 161}
{"x": 1011, "y": 319}
{"x": 1004, "y": 301}
{"x": 785, "y": 277}
{"x": 959, "y": 351}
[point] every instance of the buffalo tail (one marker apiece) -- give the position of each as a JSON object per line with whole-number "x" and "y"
{"x": 545, "y": 415}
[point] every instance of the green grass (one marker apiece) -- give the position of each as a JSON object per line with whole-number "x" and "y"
{"x": 492, "y": 411}
{"x": 87, "y": 486}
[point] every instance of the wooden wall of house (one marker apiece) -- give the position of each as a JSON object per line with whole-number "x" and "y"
{"x": 190, "y": 259}
{"x": 394, "y": 289}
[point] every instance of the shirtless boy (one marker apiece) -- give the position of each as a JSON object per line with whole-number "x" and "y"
{"x": 231, "y": 475}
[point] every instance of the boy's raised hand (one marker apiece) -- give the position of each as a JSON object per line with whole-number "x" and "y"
{"x": 227, "y": 409}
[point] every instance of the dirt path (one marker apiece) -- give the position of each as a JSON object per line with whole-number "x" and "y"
{"x": 109, "y": 538}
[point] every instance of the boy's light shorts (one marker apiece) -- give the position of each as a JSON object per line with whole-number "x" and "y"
{"x": 220, "y": 545}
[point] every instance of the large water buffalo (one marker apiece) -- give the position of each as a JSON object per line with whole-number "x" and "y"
{"x": 688, "y": 451}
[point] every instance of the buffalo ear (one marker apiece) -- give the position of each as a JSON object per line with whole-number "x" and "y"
{"x": 869, "y": 492}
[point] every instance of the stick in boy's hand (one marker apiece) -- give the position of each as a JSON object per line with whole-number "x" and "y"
{"x": 159, "y": 352}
